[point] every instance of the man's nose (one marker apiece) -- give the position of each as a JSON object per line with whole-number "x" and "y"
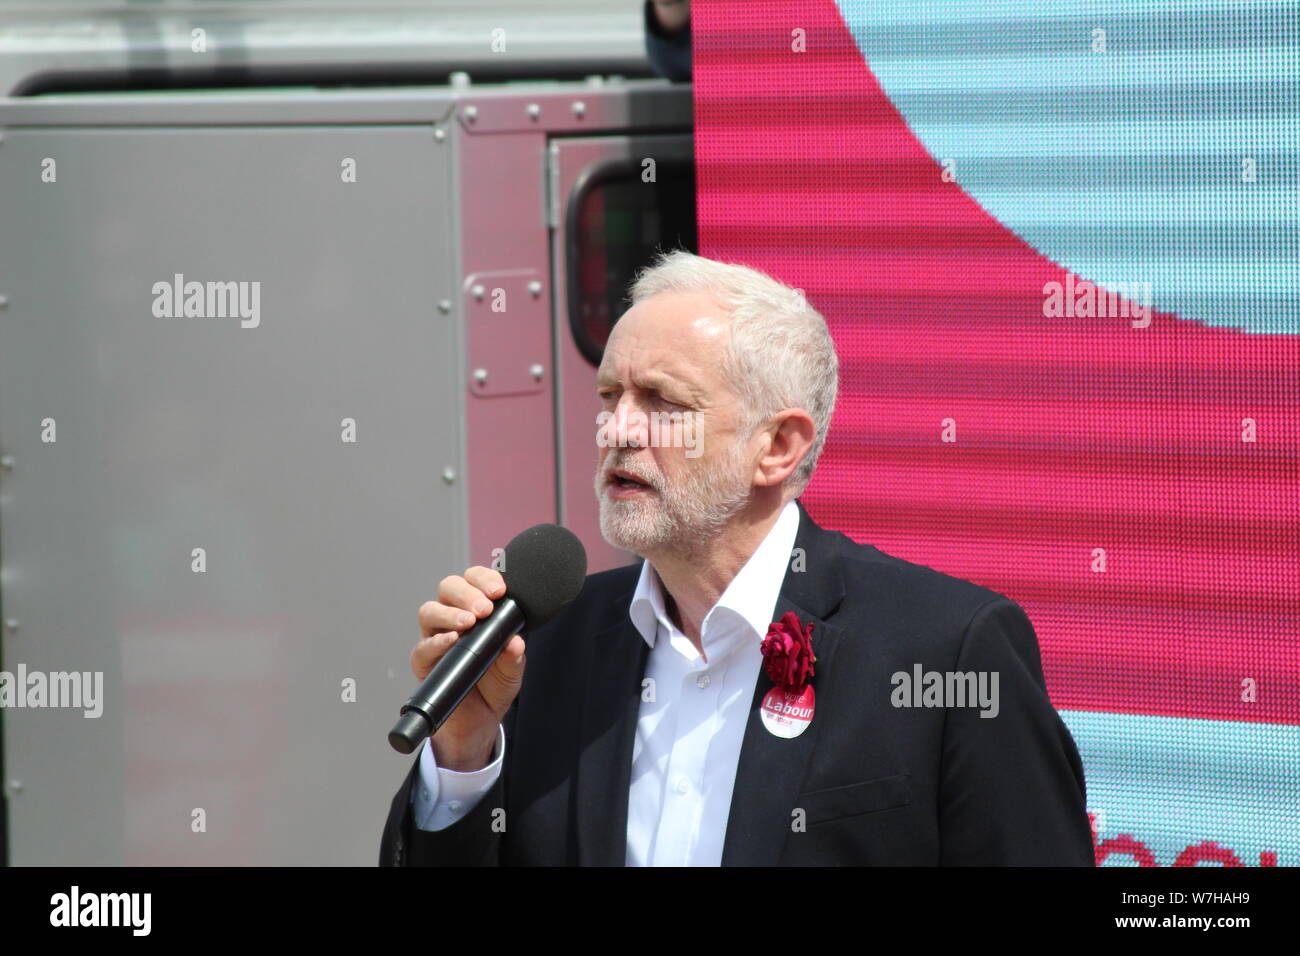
{"x": 627, "y": 426}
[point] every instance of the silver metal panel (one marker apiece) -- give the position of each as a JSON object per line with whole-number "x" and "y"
{"x": 223, "y": 689}
{"x": 503, "y": 107}
{"x": 366, "y": 37}
{"x": 251, "y": 108}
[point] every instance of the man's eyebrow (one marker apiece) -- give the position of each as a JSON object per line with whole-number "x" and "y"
{"x": 652, "y": 382}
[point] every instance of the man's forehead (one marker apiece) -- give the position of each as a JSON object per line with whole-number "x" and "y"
{"x": 669, "y": 335}
{"x": 681, "y": 313}
{"x": 646, "y": 361}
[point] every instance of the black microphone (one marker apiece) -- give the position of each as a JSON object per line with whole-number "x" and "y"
{"x": 545, "y": 568}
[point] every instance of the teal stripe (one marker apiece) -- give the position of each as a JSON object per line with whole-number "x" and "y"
{"x": 1073, "y": 150}
{"x": 1172, "y": 782}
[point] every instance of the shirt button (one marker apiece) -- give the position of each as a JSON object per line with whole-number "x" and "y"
{"x": 453, "y": 806}
{"x": 702, "y": 681}
{"x": 682, "y": 785}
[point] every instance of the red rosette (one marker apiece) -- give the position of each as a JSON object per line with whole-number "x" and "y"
{"x": 788, "y": 652}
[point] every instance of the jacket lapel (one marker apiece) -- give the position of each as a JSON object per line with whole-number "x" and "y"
{"x": 770, "y": 774}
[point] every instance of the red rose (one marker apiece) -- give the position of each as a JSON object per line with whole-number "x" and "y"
{"x": 787, "y": 652}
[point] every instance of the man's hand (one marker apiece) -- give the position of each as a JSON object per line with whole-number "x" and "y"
{"x": 464, "y": 742}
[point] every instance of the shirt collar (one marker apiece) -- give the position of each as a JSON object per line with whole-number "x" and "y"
{"x": 751, "y": 595}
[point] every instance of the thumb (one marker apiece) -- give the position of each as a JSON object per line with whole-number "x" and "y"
{"x": 511, "y": 660}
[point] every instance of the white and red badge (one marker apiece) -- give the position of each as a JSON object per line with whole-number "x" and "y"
{"x": 787, "y": 713}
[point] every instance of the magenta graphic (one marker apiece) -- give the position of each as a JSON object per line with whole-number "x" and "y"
{"x": 1058, "y": 376}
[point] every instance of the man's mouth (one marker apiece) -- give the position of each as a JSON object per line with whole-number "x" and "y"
{"x": 624, "y": 479}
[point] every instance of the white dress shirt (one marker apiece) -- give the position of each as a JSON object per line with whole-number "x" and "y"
{"x": 688, "y": 734}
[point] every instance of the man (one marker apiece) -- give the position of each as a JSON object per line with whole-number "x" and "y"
{"x": 648, "y": 729}
{"x": 668, "y": 37}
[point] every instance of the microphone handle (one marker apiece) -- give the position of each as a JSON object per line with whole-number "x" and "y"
{"x": 455, "y": 675}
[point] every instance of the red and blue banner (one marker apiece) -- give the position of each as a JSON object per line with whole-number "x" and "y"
{"x": 1058, "y": 246}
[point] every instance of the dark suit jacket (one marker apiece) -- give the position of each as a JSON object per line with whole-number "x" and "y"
{"x": 877, "y": 784}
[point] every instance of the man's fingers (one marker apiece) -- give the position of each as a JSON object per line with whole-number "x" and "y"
{"x": 462, "y": 601}
{"x": 459, "y": 592}
{"x": 509, "y": 666}
{"x": 488, "y": 580}
{"x": 514, "y": 652}
{"x": 436, "y": 617}
{"x": 429, "y": 651}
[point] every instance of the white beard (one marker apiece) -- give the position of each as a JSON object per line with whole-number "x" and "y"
{"x": 681, "y": 518}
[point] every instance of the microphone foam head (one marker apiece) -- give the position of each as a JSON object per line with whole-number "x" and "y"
{"x": 545, "y": 569}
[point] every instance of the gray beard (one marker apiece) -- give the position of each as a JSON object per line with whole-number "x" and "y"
{"x": 682, "y": 519}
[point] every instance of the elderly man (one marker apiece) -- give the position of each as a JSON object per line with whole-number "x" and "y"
{"x": 758, "y": 690}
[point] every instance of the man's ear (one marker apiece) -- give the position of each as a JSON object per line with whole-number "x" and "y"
{"x": 789, "y": 435}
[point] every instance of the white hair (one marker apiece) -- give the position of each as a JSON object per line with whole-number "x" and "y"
{"x": 780, "y": 353}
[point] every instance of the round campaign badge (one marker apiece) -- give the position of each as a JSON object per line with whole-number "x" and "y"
{"x": 787, "y": 713}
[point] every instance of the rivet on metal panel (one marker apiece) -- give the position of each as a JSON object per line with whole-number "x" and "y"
{"x": 11, "y": 625}
{"x": 535, "y": 288}
{"x": 534, "y": 110}
{"x": 13, "y": 787}
{"x": 594, "y": 79}
{"x": 449, "y": 474}
{"x": 579, "y": 108}
{"x": 439, "y": 133}
{"x": 470, "y": 113}
{"x": 480, "y": 375}
{"x": 6, "y": 462}
{"x": 478, "y": 292}
{"x": 4, "y": 301}
{"x": 458, "y": 79}
{"x": 444, "y": 306}
{"x": 536, "y": 371}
